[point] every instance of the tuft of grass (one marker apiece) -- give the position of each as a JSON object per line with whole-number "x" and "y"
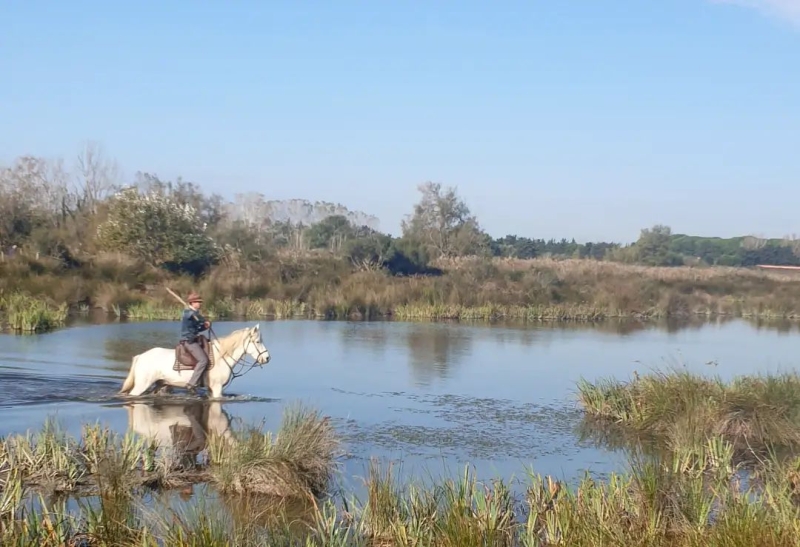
{"x": 683, "y": 409}
{"x": 296, "y": 462}
{"x": 27, "y": 314}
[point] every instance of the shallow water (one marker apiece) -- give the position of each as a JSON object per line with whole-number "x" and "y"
{"x": 432, "y": 395}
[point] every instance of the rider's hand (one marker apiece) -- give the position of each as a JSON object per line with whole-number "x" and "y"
{"x": 207, "y": 324}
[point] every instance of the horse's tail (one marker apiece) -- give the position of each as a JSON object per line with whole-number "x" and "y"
{"x": 128, "y": 384}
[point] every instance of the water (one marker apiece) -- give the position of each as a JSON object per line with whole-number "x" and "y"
{"x": 431, "y": 395}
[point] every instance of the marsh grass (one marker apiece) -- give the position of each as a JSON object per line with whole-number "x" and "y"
{"x": 681, "y": 409}
{"x": 297, "y": 461}
{"x": 659, "y": 502}
{"x": 27, "y": 314}
{"x": 469, "y": 289}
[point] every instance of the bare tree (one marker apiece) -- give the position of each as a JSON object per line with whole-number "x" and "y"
{"x": 753, "y": 243}
{"x": 97, "y": 176}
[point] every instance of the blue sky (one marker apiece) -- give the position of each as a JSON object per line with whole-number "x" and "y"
{"x": 588, "y": 119}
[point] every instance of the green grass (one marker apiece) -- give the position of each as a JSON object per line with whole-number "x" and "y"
{"x": 244, "y": 308}
{"x": 657, "y": 503}
{"x": 296, "y": 462}
{"x": 27, "y": 314}
{"x": 489, "y": 312}
{"x": 679, "y": 409}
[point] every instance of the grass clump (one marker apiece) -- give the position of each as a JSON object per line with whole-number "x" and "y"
{"x": 27, "y": 314}
{"x": 659, "y": 502}
{"x": 297, "y": 461}
{"x": 679, "y": 408}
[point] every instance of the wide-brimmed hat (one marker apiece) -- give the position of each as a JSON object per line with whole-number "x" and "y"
{"x": 194, "y": 297}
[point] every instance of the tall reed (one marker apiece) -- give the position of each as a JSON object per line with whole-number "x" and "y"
{"x": 27, "y": 314}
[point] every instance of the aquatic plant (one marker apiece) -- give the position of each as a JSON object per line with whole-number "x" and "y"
{"x": 27, "y": 314}
{"x": 297, "y": 461}
{"x": 657, "y": 503}
{"x": 680, "y": 408}
{"x": 149, "y": 311}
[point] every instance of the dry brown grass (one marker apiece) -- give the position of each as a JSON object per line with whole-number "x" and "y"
{"x": 324, "y": 286}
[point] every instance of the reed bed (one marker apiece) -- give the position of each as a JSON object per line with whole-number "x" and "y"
{"x": 297, "y": 461}
{"x": 27, "y": 314}
{"x": 469, "y": 289}
{"x": 679, "y": 408}
{"x": 656, "y": 503}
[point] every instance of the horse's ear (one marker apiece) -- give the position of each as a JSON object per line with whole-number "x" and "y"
{"x": 256, "y": 327}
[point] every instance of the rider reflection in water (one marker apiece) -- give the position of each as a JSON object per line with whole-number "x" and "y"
{"x": 192, "y": 325}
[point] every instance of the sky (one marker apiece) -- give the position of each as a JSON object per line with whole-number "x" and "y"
{"x": 585, "y": 119}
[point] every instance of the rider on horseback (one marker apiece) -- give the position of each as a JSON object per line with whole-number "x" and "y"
{"x": 192, "y": 325}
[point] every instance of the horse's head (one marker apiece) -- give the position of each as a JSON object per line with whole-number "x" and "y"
{"x": 255, "y": 347}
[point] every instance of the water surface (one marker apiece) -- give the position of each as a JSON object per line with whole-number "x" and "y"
{"x": 433, "y": 395}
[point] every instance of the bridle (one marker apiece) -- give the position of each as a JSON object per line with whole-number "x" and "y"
{"x": 245, "y": 368}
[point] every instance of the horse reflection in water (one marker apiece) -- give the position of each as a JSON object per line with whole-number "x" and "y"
{"x": 183, "y": 429}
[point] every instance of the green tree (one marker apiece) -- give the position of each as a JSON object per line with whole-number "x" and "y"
{"x": 330, "y": 233}
{"x": 653, "y": 247}
{"x": 157, "y": 229}
{"x": 443, "y": 225}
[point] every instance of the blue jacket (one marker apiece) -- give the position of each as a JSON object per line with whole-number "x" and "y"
{"x": 192, "y": 324}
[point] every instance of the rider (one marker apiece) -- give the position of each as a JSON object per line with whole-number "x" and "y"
{"x": 192, "y": 324}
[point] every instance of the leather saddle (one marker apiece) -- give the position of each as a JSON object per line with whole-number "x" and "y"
{"x": 184, "y": 360}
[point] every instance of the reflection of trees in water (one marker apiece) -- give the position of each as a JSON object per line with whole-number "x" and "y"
{"x": 782, "y": 326}
{"x": 613, "y": 437}
{"x": 435, "y": 348}
{"x": 372, "y": 336}
{"x": 122, "y": 349}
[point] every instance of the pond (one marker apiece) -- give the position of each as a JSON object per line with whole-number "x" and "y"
{"x": 432, "y": 395}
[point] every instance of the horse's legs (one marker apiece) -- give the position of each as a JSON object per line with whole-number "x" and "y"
{"x": 141, "y": 384}
{"x": 139, "y": 388}
{"x": 162, "y": 387}
{"x": 216, "y": 391}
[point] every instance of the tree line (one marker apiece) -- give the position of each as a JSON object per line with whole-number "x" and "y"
{"x": 71, "y": 213}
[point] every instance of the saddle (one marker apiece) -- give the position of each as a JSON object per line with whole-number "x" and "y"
{"x": 184, "y": 360}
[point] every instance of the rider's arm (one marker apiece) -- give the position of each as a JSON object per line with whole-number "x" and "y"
{"x": 204, "y": 323}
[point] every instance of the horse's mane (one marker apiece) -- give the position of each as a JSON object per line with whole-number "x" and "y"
{"x": 226, "y": 343}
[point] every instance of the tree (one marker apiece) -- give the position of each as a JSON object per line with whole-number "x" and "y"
{"x": 330, "y": 233}
{"x": 33, "y": 195}
{"x": 157, "y": 229}
{"x": 653, "y": 247}
{"x": 443, "y": 224}
{"x": 97, "y": 177}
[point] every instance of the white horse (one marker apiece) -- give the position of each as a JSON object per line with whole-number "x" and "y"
{"x": 162, "y": 423}
{"x": 155, "y": 366}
